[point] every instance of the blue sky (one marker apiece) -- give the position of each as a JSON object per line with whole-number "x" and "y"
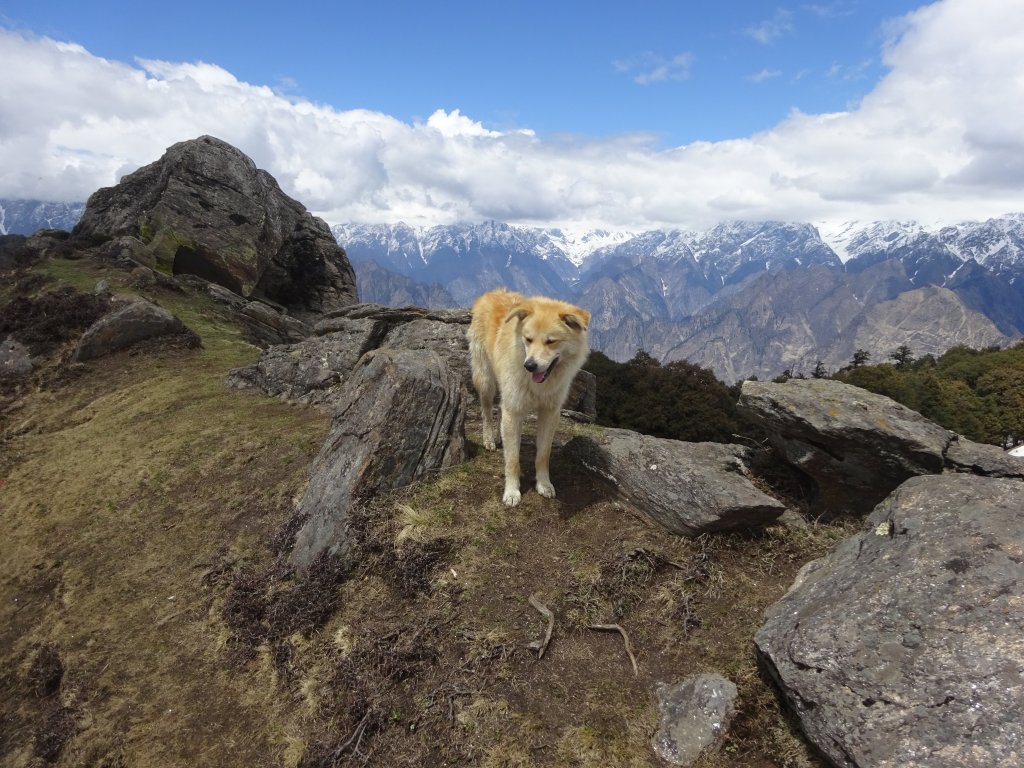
{"x": 682, "y": 71}
{"x": 618, "y": 115}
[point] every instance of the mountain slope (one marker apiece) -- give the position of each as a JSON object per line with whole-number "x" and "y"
{"x": 744, "y": 298}
{"x": 23, "y": 217}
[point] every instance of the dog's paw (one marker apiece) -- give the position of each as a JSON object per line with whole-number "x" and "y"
{"x": 512, "y": 497}
{"x": 489, "y": 444}
{"x": 547, "y": 490}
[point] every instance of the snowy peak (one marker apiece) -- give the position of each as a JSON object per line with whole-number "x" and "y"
{"x": 579, "y": 245}
{"x": 851, "y": 239}
{"x": 997, "y": 243}
{"x": 23, "y": 217}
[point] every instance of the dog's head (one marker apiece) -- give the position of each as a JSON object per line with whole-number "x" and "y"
{"x": 550, "y": 332}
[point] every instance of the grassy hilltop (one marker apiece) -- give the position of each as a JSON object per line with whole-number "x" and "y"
{"x": 147, "y": 617}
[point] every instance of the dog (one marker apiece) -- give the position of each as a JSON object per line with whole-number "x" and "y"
{"x": 528, "y": 350}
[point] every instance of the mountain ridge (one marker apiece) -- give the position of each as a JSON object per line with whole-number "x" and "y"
{"x": 706, "y": 296}
{"x": 744, "y": 298}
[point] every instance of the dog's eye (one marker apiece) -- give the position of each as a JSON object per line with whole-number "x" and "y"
{"x": 527, "y": 339}
{"x": 549, "y": 342}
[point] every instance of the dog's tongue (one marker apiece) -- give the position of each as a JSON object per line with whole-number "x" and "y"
{"x": 539, "y": 376}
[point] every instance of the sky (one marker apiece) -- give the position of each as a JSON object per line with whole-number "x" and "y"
{"x": 642, "y": 115}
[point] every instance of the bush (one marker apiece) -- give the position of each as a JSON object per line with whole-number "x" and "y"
{"x": 678, "y": 400}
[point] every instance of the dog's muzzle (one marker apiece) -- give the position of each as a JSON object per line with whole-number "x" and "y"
{"x": 537, "y": 375}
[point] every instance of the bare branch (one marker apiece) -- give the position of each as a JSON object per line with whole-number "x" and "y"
{"x": 625, "y": 639}
{"x": 542, "y": 645}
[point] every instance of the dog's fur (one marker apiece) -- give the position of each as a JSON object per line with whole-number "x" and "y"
{"x": 528, "y": 350}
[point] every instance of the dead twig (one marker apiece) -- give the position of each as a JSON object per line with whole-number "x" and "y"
{"x": 542, "y": 645}
{"x": 356, "y": 737}
{"x": 625, "y": 639}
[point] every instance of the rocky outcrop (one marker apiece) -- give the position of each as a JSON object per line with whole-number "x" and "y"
{"x": 965, "y": 455}
{"x": 695, "y": 716}
{"x": 855, "y": 445}
{"x": 903, "y": 646}
{"x": 689, "y": 488}
{"x": 205, "y": 209}
{"x": 129, "y": 324}
{"x": 311, "y": 371}
{"x": 401, "y": 414}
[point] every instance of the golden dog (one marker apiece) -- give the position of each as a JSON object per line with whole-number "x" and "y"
{"x": 528, "y": 350}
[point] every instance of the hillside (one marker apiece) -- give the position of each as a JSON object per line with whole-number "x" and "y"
{"x": 248, "y": 520}
{"x": 148, "y": 619}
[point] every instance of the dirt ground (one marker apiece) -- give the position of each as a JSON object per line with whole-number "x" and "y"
{"x": 147, "y": 617}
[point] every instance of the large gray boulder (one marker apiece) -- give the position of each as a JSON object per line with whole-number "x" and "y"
{"x": 129, "y": 324}
{"x": 689, "y": 488}
{"x": 204, "y": 208}
{"x": 855, "y": 445}
{"x": 905, "y": 645}
{"x": 401, "y": 414}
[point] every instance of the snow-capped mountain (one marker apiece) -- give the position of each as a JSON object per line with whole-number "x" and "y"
{"x": 465, "y": 259}
{"x": 23, "y": 217}
{"x": 997, "y": 244}
{"x": 742, "y": 297}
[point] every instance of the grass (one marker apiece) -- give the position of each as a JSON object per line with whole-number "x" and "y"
{"x": 146, "y": 620}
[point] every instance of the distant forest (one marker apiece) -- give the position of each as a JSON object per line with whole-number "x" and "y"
{"x": 977, "y": 393}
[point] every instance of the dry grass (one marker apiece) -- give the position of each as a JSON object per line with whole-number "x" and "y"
{"x": 146, "y": 618}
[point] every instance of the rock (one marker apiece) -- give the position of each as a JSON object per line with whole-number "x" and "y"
{"x": 311, "y": 371}
{"x": 965, "y": 455}
{"x": 855, "y": 445}
{"x": 448, "y": 339}
{"x": 581, "y": 403}
{"x": 903, "y": 646}
{"x": 401, "y": 414}
{"x": 130, "y": 323}
{"x": 695, "y": 715}
{"x": 264, "y": 326}
{"x": 143, "y": 277}
{"x": 205, "y": 209}
{"x": 689, "y": 488}
{"x": 15, "y": 359}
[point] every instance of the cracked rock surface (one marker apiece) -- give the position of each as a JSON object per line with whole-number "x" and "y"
{"x": 855, "y": 445}
{"x": 688, "y": 488}
{"x": 400, "y": 414}
{"x": 905, "y": 645}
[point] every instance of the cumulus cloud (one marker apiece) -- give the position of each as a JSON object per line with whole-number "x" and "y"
{"x": 940, "y": 137}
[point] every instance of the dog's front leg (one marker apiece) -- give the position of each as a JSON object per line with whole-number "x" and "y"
{"x": 511, "y": 431}
{"x": 547, "y": 421}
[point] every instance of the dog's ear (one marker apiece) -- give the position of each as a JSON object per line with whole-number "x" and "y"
{"x": 578, "y": 319}
{"x": 517, "y": 313}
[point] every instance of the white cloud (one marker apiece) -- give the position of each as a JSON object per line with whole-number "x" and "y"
{"x": 765, "y": 74}
{"x": 940, "y": 137}
{"x": 647, "y": 68}
{"x": 770, "y": 30}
